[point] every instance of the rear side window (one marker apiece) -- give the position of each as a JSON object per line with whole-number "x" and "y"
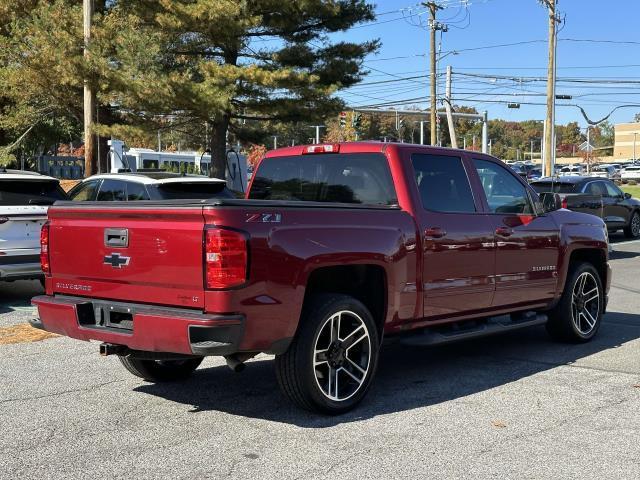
{"x": 556, "y": 187}
{"x": 30, "y": 192}
{"x": 136, "y": 191}
{"x": 362, "y": 178}
{"x": 190, "y": 191}
{"x": 112, "y": 191}
{"x": 443, "y": 183}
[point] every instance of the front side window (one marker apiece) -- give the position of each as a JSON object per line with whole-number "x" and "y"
{"x": 613, "y": 190}
{"x": 443, "y": 183}
{"x": 85, "y": 192}
{"x": 505, "y": 194}
{"x": 362, "y": 178}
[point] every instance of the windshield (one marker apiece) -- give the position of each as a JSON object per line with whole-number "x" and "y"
{"x": 30, "y": 192}
{"x": 344, "y": 178}
{"x": 190, "y": 191}
{"x": 555, "y": 187}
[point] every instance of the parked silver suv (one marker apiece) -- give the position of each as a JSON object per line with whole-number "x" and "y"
{"x": 24, "y": 200}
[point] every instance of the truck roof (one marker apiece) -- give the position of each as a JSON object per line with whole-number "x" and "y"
{"x": 368, "y": 146}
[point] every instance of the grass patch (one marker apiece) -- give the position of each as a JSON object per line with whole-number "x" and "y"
{"x": 634, "y": 190}
{"x": 23, "y": 333}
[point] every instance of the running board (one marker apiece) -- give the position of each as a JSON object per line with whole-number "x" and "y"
{"x": 493, "y": 325}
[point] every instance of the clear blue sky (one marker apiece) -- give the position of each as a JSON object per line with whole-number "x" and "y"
{"x": 493, "y": 22}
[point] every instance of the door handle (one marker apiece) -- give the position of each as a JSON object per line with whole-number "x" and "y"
{"x": 504, "y": 231}
{"x": 435, "y": 232}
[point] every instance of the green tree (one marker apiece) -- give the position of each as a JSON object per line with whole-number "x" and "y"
{"x": 223, "y": 62}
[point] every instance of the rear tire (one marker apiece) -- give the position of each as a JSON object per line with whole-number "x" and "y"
{"x": 633, "y": 230}
{"x": 161, "y": 370}
{"x": 578, "y": 315}
{"x": 332, "y": 360}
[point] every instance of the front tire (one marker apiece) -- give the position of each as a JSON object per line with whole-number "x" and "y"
{"x": 578, "y": 315}
{"x": 332, "y": 360}
{"x": 161, "y": 370}
{"x": 633, "y": 230}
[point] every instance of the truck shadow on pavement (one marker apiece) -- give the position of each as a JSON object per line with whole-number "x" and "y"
{"x": 407, "y": 377}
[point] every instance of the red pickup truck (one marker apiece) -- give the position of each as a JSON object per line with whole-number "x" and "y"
{"x": 335, "y": 247}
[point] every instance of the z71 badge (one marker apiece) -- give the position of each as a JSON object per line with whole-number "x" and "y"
{"x": 264, "y": 218}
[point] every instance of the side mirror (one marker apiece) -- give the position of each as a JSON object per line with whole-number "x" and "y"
{"x": 550, "y": 202}
{"x": 627, "y": 195}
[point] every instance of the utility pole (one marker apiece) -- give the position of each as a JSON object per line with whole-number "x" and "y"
{"x": 549, "y": 138}
{"x": 635, "y": 134}
{"x": 447, "y": 106}
{"x": 89, "y": 95}
{"x": 275, "y": 142}
{"x": 433, "y": 27}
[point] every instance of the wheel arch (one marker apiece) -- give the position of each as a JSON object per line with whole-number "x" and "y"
{"x": 365, "y": 282}
{"x": 595, "y": 257}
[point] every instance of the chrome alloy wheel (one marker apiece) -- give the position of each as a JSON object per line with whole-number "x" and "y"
{"x": 342, "y": 355}
{"x": 585, "y": 303}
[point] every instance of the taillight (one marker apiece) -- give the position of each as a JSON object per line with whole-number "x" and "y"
{"x": 564, "y": 203}
{"x": 45, "y": 265}
{"x": 226, "y": 258}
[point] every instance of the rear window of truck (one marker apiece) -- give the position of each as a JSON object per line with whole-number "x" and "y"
{"x": 341, "y": 178}
{"x": 30, "y": 192}
{"x": 556, "y": 187}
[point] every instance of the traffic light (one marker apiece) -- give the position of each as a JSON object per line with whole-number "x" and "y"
{"x": 400, "y": 123}
{"x": 356, "y": 120}
{"x": 343, "y": 119}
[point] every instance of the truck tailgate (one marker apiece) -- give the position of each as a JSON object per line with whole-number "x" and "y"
{"x": 149, "y": 254}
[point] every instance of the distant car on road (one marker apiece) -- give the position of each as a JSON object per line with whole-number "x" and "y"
{"x": 597, "y": 196}
{"x": 148, "y": 185}
{"x": 632, "y": 172}
{"x": 24, "y": 200}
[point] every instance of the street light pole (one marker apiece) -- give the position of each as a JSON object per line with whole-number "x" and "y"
{"x": 634, "y": 145}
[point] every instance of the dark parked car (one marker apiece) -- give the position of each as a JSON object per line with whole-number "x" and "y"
{"x": 619, "y": 210}
{"x": 157, "y": 185}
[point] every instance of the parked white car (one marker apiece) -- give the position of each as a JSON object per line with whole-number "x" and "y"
{"x": 631, "y": 173}
{"x": 24, "y": 200}
{"x": 572, "y": 170}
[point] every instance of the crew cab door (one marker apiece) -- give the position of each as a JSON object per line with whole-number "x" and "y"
{"x": 457, "y": 238}
{"x": 526, "y": 242}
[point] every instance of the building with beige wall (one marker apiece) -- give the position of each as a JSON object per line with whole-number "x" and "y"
{"x": 626, "y": 135}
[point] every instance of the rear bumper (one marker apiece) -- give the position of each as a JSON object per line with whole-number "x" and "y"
{"x": 24, "y": 264}
{"x": 153, "y": 328}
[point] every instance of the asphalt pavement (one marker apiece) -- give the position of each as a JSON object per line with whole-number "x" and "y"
{"x": 513, "y": 406}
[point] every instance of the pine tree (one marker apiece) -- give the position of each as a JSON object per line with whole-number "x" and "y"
{"x": 226, "y": 62}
